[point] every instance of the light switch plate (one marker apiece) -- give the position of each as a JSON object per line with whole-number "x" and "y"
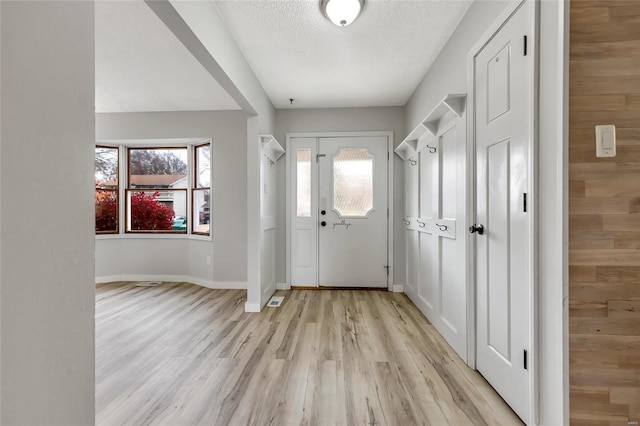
{"x": 606, "y": 140}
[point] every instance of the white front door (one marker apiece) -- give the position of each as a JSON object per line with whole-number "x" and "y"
{"x": 339, "y": 211}
{"x": 353, "y": 211}
{"x": 503, "y": 124}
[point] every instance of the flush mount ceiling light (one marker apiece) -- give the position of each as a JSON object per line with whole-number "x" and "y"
{"x": 342, "y": 12}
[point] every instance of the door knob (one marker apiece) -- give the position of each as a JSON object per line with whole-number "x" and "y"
{"x": 323, "y": 212}
{"x": 323, "y": 223}
{"x": 477, "y": 228}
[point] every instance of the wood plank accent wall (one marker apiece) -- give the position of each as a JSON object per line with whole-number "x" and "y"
{"x": 604, "y": 214}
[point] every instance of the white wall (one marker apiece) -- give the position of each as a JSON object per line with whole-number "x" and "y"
{"x": 334, "y": 120}
{"x": 448, "y": 74}
{"x": 0, "y": 211}
{"x": 47, "y": 242}
{"x": 553, "y": 213}
{"x": 148, "y": 257}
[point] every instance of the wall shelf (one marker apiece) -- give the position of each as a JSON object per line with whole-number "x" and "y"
{"x": 271, "y": 147}
{"x": 451, "y": 103}
{"x": 411, "y": 144}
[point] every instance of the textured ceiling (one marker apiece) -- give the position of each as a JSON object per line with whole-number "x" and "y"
{"x": 142, "y": 66}
{"x": 376, "y": 61}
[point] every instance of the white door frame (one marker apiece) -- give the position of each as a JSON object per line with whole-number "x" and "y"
{"x": 390, "y": 143}
{"x": 495, "y": 27}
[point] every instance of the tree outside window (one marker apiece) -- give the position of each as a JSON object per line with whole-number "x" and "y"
{"x": 156, "y": 190}
{"x": 106, "y": 181}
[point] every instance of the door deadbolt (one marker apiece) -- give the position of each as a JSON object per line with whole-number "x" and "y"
{"x": 477, "y": 228}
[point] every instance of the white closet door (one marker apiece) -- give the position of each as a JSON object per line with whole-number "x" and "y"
{"x": 503, "y": 118}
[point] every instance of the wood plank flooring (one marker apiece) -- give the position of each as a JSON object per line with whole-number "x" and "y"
{"x": 179, "y": 354}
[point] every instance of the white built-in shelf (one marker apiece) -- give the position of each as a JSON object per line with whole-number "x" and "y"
{"x": 271, "y": 147}
{"x": 409, "y": 146}
{"x": 451, "y": 103}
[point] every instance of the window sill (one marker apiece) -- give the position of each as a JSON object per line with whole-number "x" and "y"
{"x": 153, "y": 237}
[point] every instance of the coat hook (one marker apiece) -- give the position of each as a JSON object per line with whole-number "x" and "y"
{"x": 432, "y": 149}
{"x": 421, "y": 224}
{"x": 441, "y": 227}
{"x": 413, "y": 162}
{"x": 406, "y": 222}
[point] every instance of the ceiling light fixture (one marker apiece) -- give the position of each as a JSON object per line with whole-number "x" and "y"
{"x": 342, "y": 12}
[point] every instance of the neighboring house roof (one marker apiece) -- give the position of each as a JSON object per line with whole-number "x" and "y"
{"x": 150, "y": 181}
{"x": 180, "y": 183}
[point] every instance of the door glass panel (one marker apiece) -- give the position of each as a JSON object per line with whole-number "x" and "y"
{"x": 303, "y": 190}
{"x": 353, "y": 182}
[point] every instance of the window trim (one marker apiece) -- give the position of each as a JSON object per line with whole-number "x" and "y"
{"x": 128, "y": 189}
{"x": 116, "y": 190}
{"x": 123, "y": 147}
{"x": 194, "y": 187}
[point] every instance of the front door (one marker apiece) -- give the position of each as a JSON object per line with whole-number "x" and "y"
{"x": 503, "y": 119}
{"x": 339, "y": 211}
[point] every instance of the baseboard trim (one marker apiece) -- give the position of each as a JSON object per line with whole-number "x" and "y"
{"x": 283, "y": 286}
{"x": 142, "y": 277}
{"x": 398, "y": 288}
{"x": 219, "y": 285}
{"x": 216, "y": 285}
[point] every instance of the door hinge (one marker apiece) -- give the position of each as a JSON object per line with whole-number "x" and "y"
{"x": 387, "y": 268}
{"x": 526, "y": 361}
{"x": 525, "y": 45}
{"x": 524, "y": 202}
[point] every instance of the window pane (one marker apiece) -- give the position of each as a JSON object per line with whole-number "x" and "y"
{"x": 353, "y": 182}
{"x": 158, "y": 168}
{"x": 106, "y": 167}
{"x": 106, "y": 211}
{"x": 303, "y": 182}
{"x": 106, "y": 181}
{"x": 164, "y": 210}
{"x": 201, "y": 215}
{"x": 203, "y": 166}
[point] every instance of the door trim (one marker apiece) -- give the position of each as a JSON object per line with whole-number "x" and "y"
{"x": 390, "y": 206}
{"x": 493, "y": 29}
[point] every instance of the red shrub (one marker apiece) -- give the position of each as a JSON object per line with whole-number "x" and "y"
{"x": 106, "y": 211}
{"x": 148, "y": 214}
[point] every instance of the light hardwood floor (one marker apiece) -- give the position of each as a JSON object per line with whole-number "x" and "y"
{"x": 179, "y": 354}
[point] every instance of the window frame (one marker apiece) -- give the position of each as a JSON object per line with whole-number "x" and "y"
{"x": 124, "y": 147}
{"x": 116, "y": 231}
{"x": 194, "y": 187}
{"x": 128, "y": 189}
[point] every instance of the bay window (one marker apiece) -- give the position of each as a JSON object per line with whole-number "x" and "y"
{"x": 166, "y": 189}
